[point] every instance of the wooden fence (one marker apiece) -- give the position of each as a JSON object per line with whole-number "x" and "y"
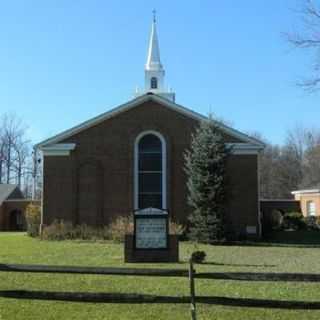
{"x": 144, "y": 272}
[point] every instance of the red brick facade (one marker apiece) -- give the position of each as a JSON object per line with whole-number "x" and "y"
{"x": 95, "y": 183}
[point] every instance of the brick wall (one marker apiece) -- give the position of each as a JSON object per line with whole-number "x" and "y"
{"x": 304, "y": 198}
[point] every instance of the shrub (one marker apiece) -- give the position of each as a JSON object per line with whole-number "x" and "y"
{"x": 64, "y": 230}
{"x": 120, "y": 227}
{"x": 58, "y": 230}
{"x": 176, "y": 228}
{"x": 198, "y": 256}
{"x": 312, "y": 222}
{"x": 116, "y": 231}
{"x": 272, "y": 221}
{"x": 33, "y": 219}
{"x": 294, "y": 220}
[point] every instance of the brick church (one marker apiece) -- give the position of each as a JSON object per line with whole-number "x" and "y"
{"x": 131, "y": 157}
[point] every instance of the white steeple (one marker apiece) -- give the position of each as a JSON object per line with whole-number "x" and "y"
{"x": 153, "y": 59}
{"x": 154, "y": 71}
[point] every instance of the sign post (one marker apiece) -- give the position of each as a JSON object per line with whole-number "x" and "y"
{"x": 151, "y": 241}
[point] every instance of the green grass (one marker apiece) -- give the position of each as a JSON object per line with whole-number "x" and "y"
{"x": 18, "y": 248}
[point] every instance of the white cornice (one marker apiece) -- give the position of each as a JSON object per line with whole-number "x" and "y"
{"x": 59, "y": 149}
{"x": 244, "y": 148}
{"x": 278, "y": 200}
{"x": 306, "y": 191}
{"x": 137, "y": 101}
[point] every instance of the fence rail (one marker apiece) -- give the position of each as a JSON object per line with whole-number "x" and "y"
{"x": 191, "y": 274}
{"x": 245, "y": 276}
{"x": 94, "y": 270}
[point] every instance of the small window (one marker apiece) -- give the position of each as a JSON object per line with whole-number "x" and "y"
{"x": 154, "y": 83}
{"x": 311, "y": 208}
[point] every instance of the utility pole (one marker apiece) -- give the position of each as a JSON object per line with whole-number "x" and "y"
{"x": 34, "y": 173}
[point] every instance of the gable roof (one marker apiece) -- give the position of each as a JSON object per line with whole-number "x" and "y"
{"x": 6, "y": 190}
{"x": 136, "y": 102}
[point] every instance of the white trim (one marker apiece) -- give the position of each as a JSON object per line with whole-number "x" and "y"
{"x": 42, "y": 195}
{"x": 164, "y": 168}
{"x": 278, "y": 200}
{"x": 317, "y": 191}
{"x": 259, "y": 192}
{"x": 151, "y": 211}
{"x": 60, "y": 149}
{"x": 138, "y": 101}
{"x": 244, "y": 148}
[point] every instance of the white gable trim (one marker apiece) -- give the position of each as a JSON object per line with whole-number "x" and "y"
{"x": 135, "y": 102}
{"x": 244, "y": 148}
{"x": 60, "y": 149}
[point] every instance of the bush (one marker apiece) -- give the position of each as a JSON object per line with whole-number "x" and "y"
{"x": 120, "y": 227}
{"x": 58, "y": 230}
{"x": 293, "y": 220}
{"x": 276, "y": 219}
{"x": 312, "y": 222}
{"x": 64, "y": 230}
{"x": 61, "y": 230}
{"x": 176, "y": 228}
{"x": 116, "y": 231}
{"x": 198, "y": 256}
{"x": 272, "y": 221}
{"x": 33, "y": 219}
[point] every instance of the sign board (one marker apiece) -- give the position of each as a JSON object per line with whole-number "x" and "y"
{"x": 151, "y": 232}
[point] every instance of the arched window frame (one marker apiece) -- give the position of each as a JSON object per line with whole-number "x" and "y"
{"x": 154, "y": 83}
{"x": 136, "y": 167}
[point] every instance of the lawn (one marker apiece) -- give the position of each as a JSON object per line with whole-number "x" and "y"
{"x": 18, "y": 248}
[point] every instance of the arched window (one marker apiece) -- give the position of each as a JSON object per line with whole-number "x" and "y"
{"x": 154, "y": 83}
{"x": 150, "y": 175}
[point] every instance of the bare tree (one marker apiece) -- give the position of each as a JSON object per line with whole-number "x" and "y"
{"x": 2, "y": 157}
{"x": 14, "y": 150}
{"x": 311, "y": 168}
{"x": 308, "y": 38}
{"x": 294, "y": 165}
{"x": 20, "y": 164}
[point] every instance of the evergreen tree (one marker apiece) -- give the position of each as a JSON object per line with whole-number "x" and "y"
{"x": 205, "y": 165}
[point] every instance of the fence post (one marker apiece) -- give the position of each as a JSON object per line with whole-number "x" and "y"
{"x": 192, "y": 291}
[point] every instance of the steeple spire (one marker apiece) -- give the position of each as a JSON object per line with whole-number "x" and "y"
{"x": 153, "y": 59}
{"x": 153, "y": 69}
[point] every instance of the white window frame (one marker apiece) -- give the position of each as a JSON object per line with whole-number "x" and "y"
{"x": 311, "y": 208}
{"x": 164, "y": 168}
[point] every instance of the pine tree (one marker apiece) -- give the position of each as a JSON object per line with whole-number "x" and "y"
{"x": 205, "y": 165}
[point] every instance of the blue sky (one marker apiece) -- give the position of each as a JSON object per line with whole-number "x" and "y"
{"x": 63, "y": 62}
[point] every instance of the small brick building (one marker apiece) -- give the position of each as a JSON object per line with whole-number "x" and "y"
{"x": 12, "y": 208}
{"x": 309, "y": 200}
{"x": 132, "y": 157}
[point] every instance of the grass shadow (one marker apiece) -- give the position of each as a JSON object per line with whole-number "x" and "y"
{"x": 123, "y": 298}
{"x": 239, "y": 265}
